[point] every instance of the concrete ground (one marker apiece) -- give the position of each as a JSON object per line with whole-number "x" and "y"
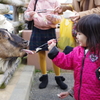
{"x": 51, "y": 91}
{"x": 24, "y": 86}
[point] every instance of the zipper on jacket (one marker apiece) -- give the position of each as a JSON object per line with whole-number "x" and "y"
{"x": 81, "y": 76}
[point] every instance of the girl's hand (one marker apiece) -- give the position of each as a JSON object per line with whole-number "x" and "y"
{"x": 51, "y": 43}
{"x": 63, "y": 95}
{"x": 76, "y": 17}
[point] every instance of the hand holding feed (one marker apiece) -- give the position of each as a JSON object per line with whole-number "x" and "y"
{"x": 51, "y": 43}
{"x": 63, "y": 95}
{"x": 76, "y": 17}
{"x": 31, "y": 13}
{"x": 55, "y": 19}
{"x": 49, "y": 17}
{"x": 58, "y": 9}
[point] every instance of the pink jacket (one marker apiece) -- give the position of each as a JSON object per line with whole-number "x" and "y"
{"x": 86, "y": 84}
{"x": 40, "y": 20}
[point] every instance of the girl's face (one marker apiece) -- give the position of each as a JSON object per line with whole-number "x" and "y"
{"x": 81, "y": 39}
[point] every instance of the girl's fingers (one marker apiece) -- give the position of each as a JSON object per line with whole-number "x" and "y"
{"x": 51, "y": 41}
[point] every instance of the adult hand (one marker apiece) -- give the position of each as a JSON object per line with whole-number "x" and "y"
{"x": 31, "y": 13}
{"x": 76, "y": 17}
{"x": 55, "y": 19}
{"x": 49, "y": 17}
{"x": 51, "y": 43}
{"x": 58, "y": 9}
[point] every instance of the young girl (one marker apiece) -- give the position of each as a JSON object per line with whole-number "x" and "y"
{"x": 84, "y": 59}
{"x": 45, "y": 21}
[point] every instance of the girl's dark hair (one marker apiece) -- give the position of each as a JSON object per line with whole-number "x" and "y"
{"x": 90, "y": 26}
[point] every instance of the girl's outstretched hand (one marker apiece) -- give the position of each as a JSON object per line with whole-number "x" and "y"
{"x": 51, "y": 43}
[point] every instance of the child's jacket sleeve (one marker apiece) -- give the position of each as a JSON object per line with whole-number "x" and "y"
{"x": 61, "y": 60}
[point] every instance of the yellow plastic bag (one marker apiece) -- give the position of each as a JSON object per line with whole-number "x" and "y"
{"x": 66, "y": 38}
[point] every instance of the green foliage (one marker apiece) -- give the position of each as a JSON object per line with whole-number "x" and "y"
{"x": 24, "y": 60}
{"x": 21, "y": 27}
{"x": 21, "y": 9}
{"x": 1, "y": 72}
{"x": 50, "y": 71}
{"x": 38, "y": 71}
{"x": 2, "y": 86}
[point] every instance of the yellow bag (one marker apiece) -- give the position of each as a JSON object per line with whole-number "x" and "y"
{"x": 66, "y": 38}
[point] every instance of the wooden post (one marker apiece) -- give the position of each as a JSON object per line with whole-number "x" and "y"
{"x": 16, "y": 18}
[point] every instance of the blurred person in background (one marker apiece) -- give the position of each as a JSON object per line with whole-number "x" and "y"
{"x": 81, "y": 8}
{"x": 45, "y": 21}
